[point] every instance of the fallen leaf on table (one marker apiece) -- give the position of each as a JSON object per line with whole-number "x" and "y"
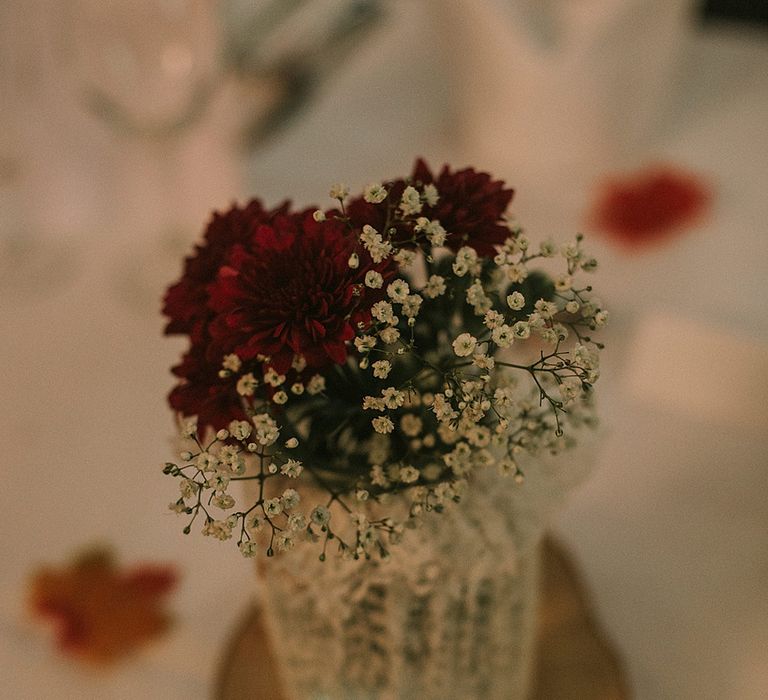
{"x": 650, "y": 205}
{"x": 102, "y": 612}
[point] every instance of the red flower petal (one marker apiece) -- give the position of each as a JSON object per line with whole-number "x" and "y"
{"x": 649, "y": 206}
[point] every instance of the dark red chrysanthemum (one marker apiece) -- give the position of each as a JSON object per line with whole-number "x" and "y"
{"x": 202, "y": 392}
{"x": 650, "y": 205}
{"x": 292, "y": 292}
{"x": 186, "y": 302}
{"x": 470, "y": 207}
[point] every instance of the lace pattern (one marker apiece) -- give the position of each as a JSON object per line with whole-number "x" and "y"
{"x": 452, "y": 614}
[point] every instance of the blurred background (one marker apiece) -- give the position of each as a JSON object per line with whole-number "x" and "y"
{"x": 122, "y": 125}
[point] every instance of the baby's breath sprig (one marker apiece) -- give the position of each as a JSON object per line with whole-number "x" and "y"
{"x": 462, "y": 360}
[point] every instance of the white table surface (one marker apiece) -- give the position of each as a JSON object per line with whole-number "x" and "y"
{"x": 670, "y": 531}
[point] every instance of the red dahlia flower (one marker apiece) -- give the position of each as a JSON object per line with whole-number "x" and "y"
{"x": 186, "y": 302}
{"x": 292, "y": 292}
{"x": 470, "y": 206}
{"x": 202, "y": 392}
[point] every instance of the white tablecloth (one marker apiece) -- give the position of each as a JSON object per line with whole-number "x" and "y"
{"x": 670, "y": 532}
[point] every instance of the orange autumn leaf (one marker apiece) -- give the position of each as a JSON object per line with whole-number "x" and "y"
{"x": 102, "y": 613}
{"x": 650, "y": 205}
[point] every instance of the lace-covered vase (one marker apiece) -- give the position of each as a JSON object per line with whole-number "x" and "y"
{"x": 452, "y": 614}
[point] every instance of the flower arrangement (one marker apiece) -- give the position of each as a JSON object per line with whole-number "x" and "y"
{"x": 359, "y": 363}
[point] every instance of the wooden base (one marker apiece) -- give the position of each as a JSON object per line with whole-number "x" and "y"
{"x": 574, "y": 662}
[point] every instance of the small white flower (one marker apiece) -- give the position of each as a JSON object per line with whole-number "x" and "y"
{"x": 571, "y": 251}
{"x": 411, "y": 305}
{"x": 382, "y": 424}
{"x": 549, "y": 335}
{"x": 405, "y": 258}
{"x": 290, "y": 499}
{"x": 409, "y": 474}
{"x": 320, "y": 516}
{"x": 378, "y": 477}
{"x": 338, "y": 191}
{"x": 536, "y": 321}
{"x": 231, "y": 362}
{"x": 572, "y": 306}
{"x": 522, "y": 330}
{"x": 247, "y": 384}
{"x": 207, "y": 462}
{"x": 563, "y": 283}
{"x": 354, "y": 261}
{"x": 516, "y": 273}
{"x": 292, "y": 468}
{"x": 365, "y": 343}
{"x": 297, "y": 388}
{"x": 503, "y": 396}
{"x": 411, "y": 425}
{"x": 188, "y": 488}
{"x": 248, "y": 548}
{"x": 296, "y": 522}
{"x": 272, "y": 377}
{"x": 318, "y": 215}
{"x": 434, "y": 232}
{"x": 435, "y": 286}
{"x": 373, "y": 279}
{"x": 515, "y": 301}
{"x": 267, "y": 431}
{"x": 254, "y": 523}
{"x": 493, "y": 319}
{"x": 223, "y": 501}
{"x": 464, "y": 345}
{"x": 398, "y": 291}
{"x": 601, "y": 318}
{"x": 299, "y": 363}
{"x": 570, "y": 388}
{"x": 389, "y": 335}
{"x": 316, "y": 384}
{"x": 546, "y": 309}
{"x": 380, "y": 251}
{"x": 273, "y": 507}
{"x": 393, "y": 398}
{"x": 219, "y": 529}
{"x": 547, "y": 249}
{"x": 483, "y": 361}
{"x": 477, "y": 298}
{"x": 280, "y": 397}
{"x": 189, "y": 428}
{"x": 410, "y": 201}
{"x": 375, "y": 193}
{"x": 382, "y": 368}
{"x": 291, "y": 443}
{"x": 240, "y": 429}
{"x": 370, "y": 236}
{"x": 381, "y": 311}
{"x": 373, "y": 403}
{"x": 431, "y": 195}
{"x": 284, "y": 542}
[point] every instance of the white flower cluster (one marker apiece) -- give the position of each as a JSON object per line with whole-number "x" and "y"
{"x": 477, "y": 365}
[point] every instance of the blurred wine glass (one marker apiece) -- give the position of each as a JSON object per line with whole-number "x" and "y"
{"x": 148, "y": 71}
{"x": 32, "y": 260}
{"x": 185, "y": 90}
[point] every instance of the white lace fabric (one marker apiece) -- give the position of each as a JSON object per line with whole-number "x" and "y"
{"x": 452, "y": 613}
